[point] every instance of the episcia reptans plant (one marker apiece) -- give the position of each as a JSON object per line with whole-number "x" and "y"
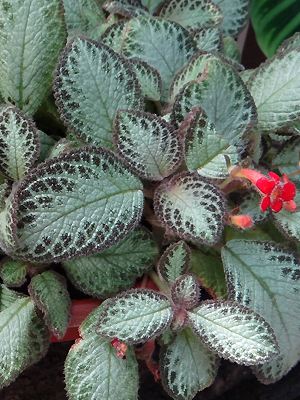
{"x": 133, "y": 143}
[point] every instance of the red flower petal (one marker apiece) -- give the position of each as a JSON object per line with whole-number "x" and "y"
{"x": 274, "y": 176}
{"x": 288, "y": 191}
{"x": 276, "y": 205}
{"x": 265, "y": 185}
{"x": 265, "y": 203}
{"x": 290, "y": 206}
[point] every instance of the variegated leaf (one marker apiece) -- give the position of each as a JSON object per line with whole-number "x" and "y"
{"x": 186, "y": 291}
{"x": 46, "y": 143}
{"x": 149, "y": 78}
{"x": 135, "y": 316}
{"x": 50, "y": 294}
{"x": 91, "y": 85}
{"x": 125, "y": 8}
{"x": 235, "y": 14}
{"x": 5, "y": 189}
{"x": 84, "y": 17}
{"x": 24, "y": 339}
{"x": 187, "y": 366}
{"x": 174, "y": 262}
{"x": 8, "y": 240}
{"x": 209, "y": 270}
{"x": 148, "y": 144}
{"x": 79, "y": 203}
{"x": 207, "y": 152}
{"x": 19, "y": 143}
{"x": 288, "y": 159}
{"x": 231, "y": 49}
{"x": 8, "y": 297}
{"x": 32, "y": 35}
{"x": 221, "y": 93}
{"x": 13, "y": 272}
{"x": 234, "y": 332}
{"x": 249, "y": 205}
{"x": 165, "y": 45}
{"x": 152, "y": 5}
{"x": 265, "y": 277}
{"x": 208, "y": 39}
{"x": 277, "y": 95}
{"x": 191, "y": 208}
{"x": 93, "y": 370}
{"x": 192, "y": 14}
{"x": 113, "y": 269}
{"x": 115, "y": 35}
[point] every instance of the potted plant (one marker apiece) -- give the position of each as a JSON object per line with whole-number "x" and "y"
{"x": 133, "y": 145}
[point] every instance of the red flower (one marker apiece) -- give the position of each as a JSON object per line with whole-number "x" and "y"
{"x": 241, "y": 221}
{"x": 277, "y": 193}
{"x": 121, "y": 347}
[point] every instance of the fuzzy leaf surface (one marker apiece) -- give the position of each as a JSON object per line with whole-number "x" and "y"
{"x": 83, "y": 17}
{"x": 208, "y": 39}
{"x": 183, "y": 12}
{"x": 148, "y": 144}
{"x": 24, "y": 339}
{"x": 234, "y": 332}
{"x": 13, "y": 273}
{"x": 165, "y": 45}
{"x": 125, "y": 8}
{"x": 210, "y": 272}
{"x": 115, "y": 35}
{"x": 174, "y": 262}
{"x": 50, "y": 294}
{"x": 186, "y": 291}
{"x": 221, "y": 93}
{"x": 249, "y": 206}
{"x": 135, "y": 316}
{"x": 7, "y": 297}
{"x": 206, "y": 151}
{"x": 7, "y": 224}
{"x": 79, "y": 203}
{"x": 113, "y": 269}
{"x": 187, "y": 353}
{"x": 265, "y": 277}
{"x": 287, "y": 160}
{"x": 149, "y": 78}
{"x": 151, "y": 5}
{"x": 277, "y": 95}
{"x": 32, "y": 36}
{"x": 92, "y": 84}
{"x": 19, "y": 143}
{"x": 46, "y": 142}
{"x": 289, "y": 222}
{"x": 231, "y": 49}
{"x": 235, "y": 13}
{"x": 191, "y": 208}
{"x": 93, "y": 370}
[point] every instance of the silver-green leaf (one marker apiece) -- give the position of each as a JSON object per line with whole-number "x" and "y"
{"x": 79, "y": 203}
{"x": 235, "y": 14}
{"x": 135, "y": 316}
{"x": 13, "y": 272}
{"x": 92, "y": 84}
{"x": 32, "y": 36}
{"x": 186, "y": 291}
{"x": 234, "y": 332}
{"x": 174, "y": 262}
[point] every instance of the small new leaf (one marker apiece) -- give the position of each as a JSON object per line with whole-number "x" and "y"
{"x": 13, "y": 273}
{"x": 19, "y": 143}
{"x": 191, "y": 208}
{"x": 79, "y": 203}
{"x": 187, "y": 366}
{"x": 50, "y": 294}
{"x": 113, "y": 269}
{"x": 148, "y": 144}
{"x": 234, "y": 332}
{"x": 174, "y": 262}
{"x": 92, "y": 84}
{"x": 135, "y": 316}
{"x": 185, "y": 291}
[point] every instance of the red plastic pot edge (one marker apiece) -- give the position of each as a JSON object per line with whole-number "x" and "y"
{"x": 80, "y": 309}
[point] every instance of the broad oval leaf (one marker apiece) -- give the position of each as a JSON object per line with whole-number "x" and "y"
{"x": 93, "y": 370}
{"x": 186, "y": 291}
{"x": 174, "y": 262}
{"x": 148, "y": 144}
{"x": 222, "y": 94}
{"x": 13, "y": 272}
{"x": 50, "y": 294}
{"x": 24, "y": 339}
{"x": 187, "y": 366}
{"x": 208, "y": 39}
{"x": 149, "y": 78}
{"x": 192, "y": 14}
{"x": 191, "y": 208}
{"x": 84, "y": 17}
{"x": 113, "y": 269}
{"x": 32, "y": 36}
{"x": 207, "y": 152}
{"x": 165, "y": 45}
{"x": 79, "y": 203}
{"x": 135, "y": 316}
{"x": 234, "y": 332}
{"x": 19, "y": 143}
{"x": 92, "y": 84}
{"x": 265, "y": 277}
{"x": 235, "y": 14}
{"x": 277, "y": 95}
